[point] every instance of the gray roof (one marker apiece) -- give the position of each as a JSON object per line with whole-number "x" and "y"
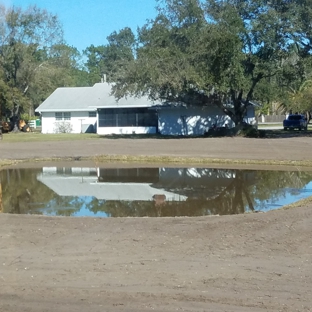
{"x": 89, "y": 99}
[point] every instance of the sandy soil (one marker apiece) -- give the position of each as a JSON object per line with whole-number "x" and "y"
{"x": 252, "y": 262}
{"x": 290, "y": 148}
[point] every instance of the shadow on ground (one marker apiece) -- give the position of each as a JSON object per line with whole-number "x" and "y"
{"x": 259, "y": 134}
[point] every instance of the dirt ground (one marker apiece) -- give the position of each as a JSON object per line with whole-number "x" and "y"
{"x": 282, "y": 148}
{"x": 251, "y": 262}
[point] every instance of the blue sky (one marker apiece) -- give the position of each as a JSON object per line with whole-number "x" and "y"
{"x": 90, "y": 22}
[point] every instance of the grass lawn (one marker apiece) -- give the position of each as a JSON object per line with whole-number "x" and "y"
{"x": 39, "y": 137}
{"x": 278, "y": 125}
{"x": 264, "y": 125}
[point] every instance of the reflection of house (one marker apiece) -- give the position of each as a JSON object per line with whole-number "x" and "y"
{"x": 150, "y": 191}
{"x": 126, "y": 187}
{"x": 195, "y": 182}
{"x": 94, "y": 109}
{"x": 140, "y": 184}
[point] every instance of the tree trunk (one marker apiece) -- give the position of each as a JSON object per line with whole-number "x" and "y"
{"x": 15, "y": 118}
{"x": 14, "y": 122}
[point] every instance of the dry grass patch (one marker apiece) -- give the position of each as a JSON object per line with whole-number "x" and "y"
{"x": 198, "y": 160}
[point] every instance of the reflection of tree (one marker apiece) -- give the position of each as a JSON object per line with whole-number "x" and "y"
{"x": 271, "y": 185}
{"x": 23, "y": 194}
{"x": 239, "y": 191}
{"x": 64, "y": 205}
{"x": 115, "y": 208}
{"x": 20, "y": 189}
{"x": 244, "y": 192}
{"x": 235, "y": 198}
{"x": 244, "y": 195}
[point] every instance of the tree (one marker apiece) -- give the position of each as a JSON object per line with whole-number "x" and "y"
{"x": 61, "y": 67}
{"x": 217, "y": 52}
{"x": 34, "y": 60}
{"x": 294, "y": 81}
{"x": 108, "y": 59}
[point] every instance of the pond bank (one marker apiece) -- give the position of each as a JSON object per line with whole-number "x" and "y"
{"x": 250, "y": 262}
{"x": 294, "y": 151}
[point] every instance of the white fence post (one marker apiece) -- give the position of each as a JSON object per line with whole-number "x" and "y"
{"x": 32, "y": 124}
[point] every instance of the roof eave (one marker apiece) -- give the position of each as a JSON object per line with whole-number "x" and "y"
{"x": 50, "y": 110}
{"x": 121, "y": 106}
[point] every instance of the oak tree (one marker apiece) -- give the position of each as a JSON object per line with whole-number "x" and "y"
{"x": 217, "y": 52}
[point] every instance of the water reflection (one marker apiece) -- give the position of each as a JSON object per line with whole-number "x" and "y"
{"x": 140, "y": 192}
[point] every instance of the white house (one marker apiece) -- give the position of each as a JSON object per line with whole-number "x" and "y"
{"x": 94, "y": 109}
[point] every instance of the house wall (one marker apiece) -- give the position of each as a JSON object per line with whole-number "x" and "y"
{"x": 80, "y": 121}
{"x": 174, "y": 121}
{"x": 190, "y": 121}
{"x": 125, "y": 130}
{"x": 196, "y": 121}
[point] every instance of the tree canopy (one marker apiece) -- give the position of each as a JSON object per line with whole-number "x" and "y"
{"x": 109, "y": 59}
{"x": 200, "y": 52}
{"x": 34, "y": 60}
{"x": 219, "y": 52}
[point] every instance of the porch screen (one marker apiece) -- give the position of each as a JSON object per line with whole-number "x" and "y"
{"x": 127, "y": 117}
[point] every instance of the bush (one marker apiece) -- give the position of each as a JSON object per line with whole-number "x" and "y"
{"x": 219, "y": 132}
{"x": 62, "y": 127}
{"x": 27, "y": 117}
{"x": 251, "y": 132}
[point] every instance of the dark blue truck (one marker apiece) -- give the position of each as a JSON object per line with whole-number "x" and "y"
{"x": 295, "y": 121}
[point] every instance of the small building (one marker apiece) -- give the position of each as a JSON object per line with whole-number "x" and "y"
{"x": 95, "y": 109}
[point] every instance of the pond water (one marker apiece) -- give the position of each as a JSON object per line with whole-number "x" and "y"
{"x": 152, "y": 192}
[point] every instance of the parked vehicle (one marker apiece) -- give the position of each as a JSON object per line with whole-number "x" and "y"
{"x": 295, "y": 121}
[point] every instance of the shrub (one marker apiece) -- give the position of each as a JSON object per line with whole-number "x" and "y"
{"x": 27, "y": 117}
{"x": 251, "y": 132}
{"x": 62, "y": 127}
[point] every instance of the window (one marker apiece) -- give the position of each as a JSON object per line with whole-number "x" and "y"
{"x": 67, "y": 116}
{"x": 127, "y": 117}
{"x": 92, "y": 114}
{"x": 295, "y": 117}
{"x": 147, "y": 119}
{"x": 107, "y": 118}
{"x": 58, "y": 116}
{"x": 63, "y": 116}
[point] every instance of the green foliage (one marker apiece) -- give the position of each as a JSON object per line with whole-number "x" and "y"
{"x": 220, "y": 52}
{"x": 34, "y": 60}
{"x": 109, "y": 59}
